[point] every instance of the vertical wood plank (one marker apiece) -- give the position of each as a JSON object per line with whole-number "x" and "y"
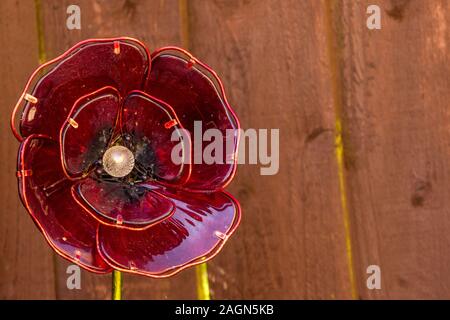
{"x": 26, "y": 268}
{"x": 156, "y": 23}
{"x": 396, "y": 125}
{"x": 272, "y": 56}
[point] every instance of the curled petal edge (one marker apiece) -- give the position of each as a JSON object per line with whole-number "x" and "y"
{"x": 36, "y": 73}
{"x": 201, "y": 259}
{"x": 221, "y": 90}
{"x": 168, "y": 108}
{"x": 112, "y": 224}
{"x": 63, "y": 127}
{"x": 24, "y": 200}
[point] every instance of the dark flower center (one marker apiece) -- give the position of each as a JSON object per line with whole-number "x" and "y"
{"x": 128, "y": 160}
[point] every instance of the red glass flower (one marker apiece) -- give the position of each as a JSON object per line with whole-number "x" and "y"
{"x": 94, "y": 167}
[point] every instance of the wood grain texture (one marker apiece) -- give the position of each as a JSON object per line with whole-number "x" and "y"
{"x": 396, "y": 123}
{"x": 26, "y": 268}
{"x": 157, "y": 24}
{"x": 273, "y": 59}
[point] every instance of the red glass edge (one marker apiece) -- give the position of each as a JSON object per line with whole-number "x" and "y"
{"x": 38, "y": 224}
{"x": 175, "y": 116}
{"x": 201, "y": 259}
{"x": 75, "y": 105}
{"x": 225, "y": 100}
{"x": 111, "y": 224}
{"x": 59, "y": 58}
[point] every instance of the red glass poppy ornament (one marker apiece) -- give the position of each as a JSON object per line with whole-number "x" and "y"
{"x": 94, "y": 166}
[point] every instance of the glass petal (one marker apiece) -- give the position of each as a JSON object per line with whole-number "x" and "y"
{"x": 149, "y": 124}
{"x": 45, "y": 192}
{"x": 196, "y": 94}
{"x": 87, "y": 67}
{"x": 120, "y": 204}
{"x": 195, "y": 233}
{"x": 89, "y": 129}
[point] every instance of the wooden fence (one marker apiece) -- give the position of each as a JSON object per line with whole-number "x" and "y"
{"x": 364, "y": 125}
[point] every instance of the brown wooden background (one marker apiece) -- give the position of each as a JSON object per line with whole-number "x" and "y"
{"x": 364, "y": 124}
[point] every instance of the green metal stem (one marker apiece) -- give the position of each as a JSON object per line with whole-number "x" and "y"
{"x": 116, "y": 285}
{"x": 201, "y": 271}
